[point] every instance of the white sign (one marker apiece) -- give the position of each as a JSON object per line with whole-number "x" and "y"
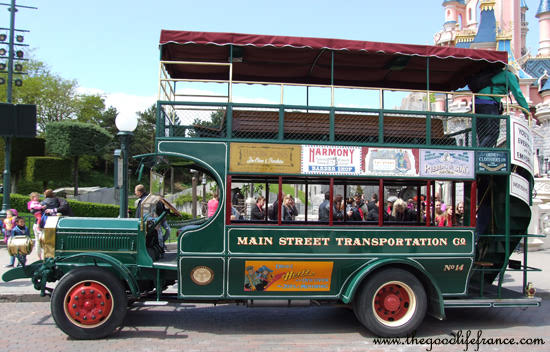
{"x": 519, "y": 187}
{"x": 325, "y": 159}
{"x": 522, "y": 144}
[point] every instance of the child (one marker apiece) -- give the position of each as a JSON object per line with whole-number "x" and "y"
{"x": 7, "y": 228}
{"x": 21, "y": 230}
{"x": 36, "y": 209}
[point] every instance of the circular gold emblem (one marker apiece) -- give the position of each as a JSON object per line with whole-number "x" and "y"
{"x": 202, "y": 275}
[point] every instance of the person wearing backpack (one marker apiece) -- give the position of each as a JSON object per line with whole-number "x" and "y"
{"x": 502, "y": 82}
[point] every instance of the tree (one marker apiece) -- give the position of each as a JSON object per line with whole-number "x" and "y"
{"x": 144, "y": 136}
{"x": 71, "y": 139}
{"x": 54, "y": 96}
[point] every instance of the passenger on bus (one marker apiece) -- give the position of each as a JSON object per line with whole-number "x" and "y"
{"x": 372, "y": 202}
{"x": 440, "y": 215}
{"x": 338, "y": 208}
{"x": 324, "y": 208}
{"x": 258, "y": 212}
{"x": 289, "y": 208}
{"x": 235, "y": 215}
{"x": 391, "y": 200}
{"x": 400, "y": 212}
{"x": 353, "y": 213}
{"x": 360, "y": 204}
{"x": 459, "y": 214}
{"x": 373, "y": 213}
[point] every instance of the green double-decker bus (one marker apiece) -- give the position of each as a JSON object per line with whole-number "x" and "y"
{"x": 333, "y": 172}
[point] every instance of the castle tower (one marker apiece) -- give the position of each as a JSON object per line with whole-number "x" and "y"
{"x": 543, "y": 14}
{"x": 455, "y": 11}
{"x": 524, "y": 27}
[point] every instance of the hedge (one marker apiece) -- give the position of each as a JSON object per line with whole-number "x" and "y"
{"x": 21, "y": 148}
{"x": 84, "y": 209}
{"x": 47, "y": 168}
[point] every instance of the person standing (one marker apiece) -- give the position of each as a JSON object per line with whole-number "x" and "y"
{"x": 7, "y": 227}
{"x": 502, "y": 83}
{"x": 212, "y": 205}
{"x": 21, "y": 230}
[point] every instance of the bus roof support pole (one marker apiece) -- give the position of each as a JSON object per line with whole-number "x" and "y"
{"x": 227, "y": 201}
{"x": 331, "y": 202}
{"x": 473, "y": 204}
{"x": 506, "y": 236}
{"x": 428, "y": 203}
{"x": 280, "y": 201}
{"x": 428, "y": 105}
{"x": 381, "y": 206}
{"x": 281, "y": 123}
{"x": 332, "y": 78}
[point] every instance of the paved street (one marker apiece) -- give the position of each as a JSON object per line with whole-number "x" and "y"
{"x": 188, "y": 327}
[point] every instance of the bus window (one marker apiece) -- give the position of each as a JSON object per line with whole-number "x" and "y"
{"x": 402, "y": 204}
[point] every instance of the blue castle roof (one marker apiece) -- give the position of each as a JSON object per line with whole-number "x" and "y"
{"x": 486, "y": 32}
{"x": 459, "y": 1}
{"x": 524, "y": 4}
{"x": 546, "y": 86}
{"x": 543, "y": 7}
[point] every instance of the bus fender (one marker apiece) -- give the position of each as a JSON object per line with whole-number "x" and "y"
{"x": 435, "y": 298}
{"x": 119, "y": 268}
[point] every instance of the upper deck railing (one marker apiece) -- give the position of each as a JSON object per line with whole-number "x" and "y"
{"x": 201, "y": 114}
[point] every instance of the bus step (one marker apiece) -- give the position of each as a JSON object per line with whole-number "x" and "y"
{"x": 251, "y": 303}
{"x": 484, "y": 264}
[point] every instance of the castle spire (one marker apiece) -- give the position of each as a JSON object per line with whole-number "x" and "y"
{"x": 543, "y": 14}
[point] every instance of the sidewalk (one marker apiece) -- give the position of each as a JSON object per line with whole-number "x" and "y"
{"x": 23, "y": 291}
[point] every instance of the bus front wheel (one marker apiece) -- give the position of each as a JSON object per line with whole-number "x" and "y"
{"x": 89, "y": 303}
{"x": 392, "y": 302}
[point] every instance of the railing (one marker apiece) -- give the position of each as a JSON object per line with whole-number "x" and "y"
{"x": 320, "y": 124}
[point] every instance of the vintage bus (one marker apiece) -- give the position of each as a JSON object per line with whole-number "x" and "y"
{"x": 325, "y": 188}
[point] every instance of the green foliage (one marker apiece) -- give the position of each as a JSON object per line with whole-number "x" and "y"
{"x": 47, "y": 168}
{"x": 26, "y": 187}
{"x": 20, "y": 149}
{"x": 144, "y": 135}
{"x": 288, "y": 189}
{"x": 54, "y": 96}
{"x": 184, "y": 198}
{"x": 216, "y": 119}
{"x": 71, "y": 138}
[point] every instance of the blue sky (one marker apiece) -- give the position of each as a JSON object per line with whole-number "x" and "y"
{"x": 112, "y": 46}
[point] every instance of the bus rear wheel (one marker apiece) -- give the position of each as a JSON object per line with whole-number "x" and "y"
{"x": 392, "y": 302}
{"x": 89, "y": 303}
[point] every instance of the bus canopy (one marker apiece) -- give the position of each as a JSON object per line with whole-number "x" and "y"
{"x": 302, "y": 60}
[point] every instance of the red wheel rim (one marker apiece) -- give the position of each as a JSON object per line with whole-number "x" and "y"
{"x": 393, "y": 302}
{"x": 88, "y": 304}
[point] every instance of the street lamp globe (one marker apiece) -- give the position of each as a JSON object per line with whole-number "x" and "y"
{"x": 126, "y": 122}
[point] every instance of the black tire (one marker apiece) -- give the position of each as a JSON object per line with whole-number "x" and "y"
{"x": 89, "y": 303}
{"x": 391, "y": 302}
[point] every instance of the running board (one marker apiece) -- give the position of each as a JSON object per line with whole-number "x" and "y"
{"x": 492, "y": 302}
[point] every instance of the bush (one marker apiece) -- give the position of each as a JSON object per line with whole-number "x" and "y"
{"x": 83, "y": 209}
{"x": 47, "y": 168}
